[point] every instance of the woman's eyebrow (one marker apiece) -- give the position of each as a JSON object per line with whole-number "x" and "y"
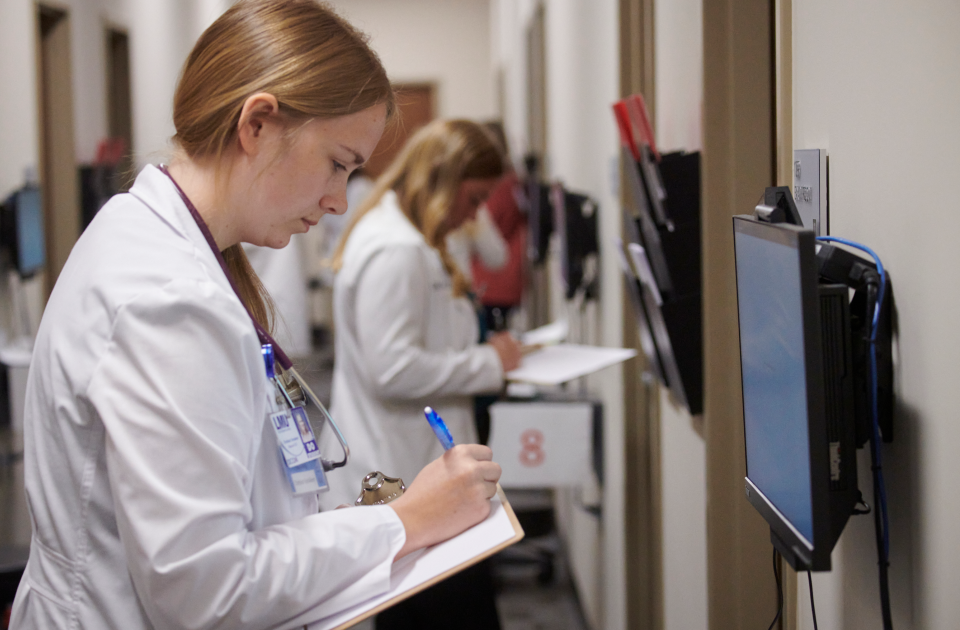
{"x": 357, "y": 158}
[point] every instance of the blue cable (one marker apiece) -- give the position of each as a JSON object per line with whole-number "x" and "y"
{"x": 873, "y": 383}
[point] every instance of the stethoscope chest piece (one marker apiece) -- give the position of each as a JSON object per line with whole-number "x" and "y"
{"x": 378, "y": 489}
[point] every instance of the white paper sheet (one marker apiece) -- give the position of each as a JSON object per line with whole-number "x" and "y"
{"x": 546, "y": 335}
{"x": 553, "y": 365}
{"x": 424, "y": 565}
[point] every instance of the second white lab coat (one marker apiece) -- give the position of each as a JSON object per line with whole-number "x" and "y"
{"x": 403, "y": 342}
{"x": 282, "y": 272}
{"x": 481, "y": 237}
{"x": 154, "y": 483}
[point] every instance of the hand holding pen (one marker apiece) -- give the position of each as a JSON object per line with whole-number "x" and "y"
{"x": 508, "y": 349}
{"x": 451, "y": 494}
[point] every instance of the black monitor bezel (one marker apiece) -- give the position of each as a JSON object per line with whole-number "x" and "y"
{"x": 577, "y": 237}
{"x": 815, "y": 554}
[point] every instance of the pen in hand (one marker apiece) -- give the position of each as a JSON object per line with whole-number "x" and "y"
{"x": 439, "y": 428}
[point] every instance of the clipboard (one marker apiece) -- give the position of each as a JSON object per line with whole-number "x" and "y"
{"x": 426, "y": 567}
{"x": 556, "y": 364}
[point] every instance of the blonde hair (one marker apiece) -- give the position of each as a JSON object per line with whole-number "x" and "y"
{"x": 426, "y": 176}
{"x": 315, "y": 64}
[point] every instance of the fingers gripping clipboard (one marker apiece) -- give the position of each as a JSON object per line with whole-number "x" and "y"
{"x": 422, "y": 569}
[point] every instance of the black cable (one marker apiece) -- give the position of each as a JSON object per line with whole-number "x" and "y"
{"x": 876, "y": 288}
{"x": 776, "y": 576}
{"x": 813, "y": 607}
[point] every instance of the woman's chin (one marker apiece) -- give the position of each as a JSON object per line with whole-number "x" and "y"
{"x": 275, "y": 242}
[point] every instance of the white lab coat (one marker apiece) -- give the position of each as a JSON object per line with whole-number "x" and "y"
{"x": 481, "y": 237}
{"x": 403, "y": 341}
{"x": 154, "y": 484}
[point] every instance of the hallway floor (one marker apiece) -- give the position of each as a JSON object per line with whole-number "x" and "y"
{"x": 526, "y": 603}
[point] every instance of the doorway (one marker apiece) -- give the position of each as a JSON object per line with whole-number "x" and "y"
{"x": 416, "y": 106}
{"x": 58, "y": 173}
{"x": 119, "y": 112}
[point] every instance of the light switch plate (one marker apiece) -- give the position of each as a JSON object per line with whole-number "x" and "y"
{"x": 810, "y": 189}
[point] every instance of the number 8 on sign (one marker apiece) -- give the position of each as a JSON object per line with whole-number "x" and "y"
{"x": 531, "y": 448}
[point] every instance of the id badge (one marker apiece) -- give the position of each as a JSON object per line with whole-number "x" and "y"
{"x": 298, "y": 448}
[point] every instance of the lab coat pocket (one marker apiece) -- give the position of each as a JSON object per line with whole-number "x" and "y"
{"x": 43, "y": 610}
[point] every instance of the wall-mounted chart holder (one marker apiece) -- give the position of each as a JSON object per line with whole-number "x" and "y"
{"x": 662, "y": 234}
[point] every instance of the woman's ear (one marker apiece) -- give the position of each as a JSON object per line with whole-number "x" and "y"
{"x": 258, "y": 122}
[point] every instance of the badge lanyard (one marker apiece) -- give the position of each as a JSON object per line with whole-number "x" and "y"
{"x": 298, "y": 446}
{"x": 297, "y": 424}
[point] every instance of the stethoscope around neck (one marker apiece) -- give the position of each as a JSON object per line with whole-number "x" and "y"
{"x": 293, "y": 388}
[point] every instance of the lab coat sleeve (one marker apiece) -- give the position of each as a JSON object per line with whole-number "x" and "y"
{"x": 181, "y": 394}
{"x": 393, "y": 295}
{"x": 489, "y": 244}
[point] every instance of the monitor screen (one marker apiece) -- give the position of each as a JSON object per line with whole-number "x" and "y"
{"x": 31, "y": 253}
{"x": 770, "y": 296}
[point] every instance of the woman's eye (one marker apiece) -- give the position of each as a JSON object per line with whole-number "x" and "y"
{"x": 337, "y": 166}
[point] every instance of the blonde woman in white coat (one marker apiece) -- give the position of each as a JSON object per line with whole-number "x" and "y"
{"x": 156, "y": 490}
{"x": 407, "y": 336}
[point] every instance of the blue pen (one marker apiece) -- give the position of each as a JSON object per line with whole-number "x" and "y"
{"x": 439, "y": 427}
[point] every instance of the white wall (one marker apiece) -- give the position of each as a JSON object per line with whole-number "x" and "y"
{"x": 678, "y": 28}
{"x": 583, "y": 152}
{"x": 875, "y": 83}
{"x": 19, "y": 120}
{"x": 161, "y": 34}
{"x": 438, "y": 41}
{"x": 684, "y": 509}
{"x": 678, "y": 37}
{"x": 19, "y": 126}
{"x": 18, "y": 104}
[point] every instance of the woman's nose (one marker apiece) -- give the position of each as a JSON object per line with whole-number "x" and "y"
{"x": 335, "y": 202}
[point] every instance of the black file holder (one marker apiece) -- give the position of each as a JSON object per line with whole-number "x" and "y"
{"x": 673, "y": 253}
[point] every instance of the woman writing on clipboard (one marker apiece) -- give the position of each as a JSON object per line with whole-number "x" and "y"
{"x": 158, "y": 494}
{"x": 408, "y": 337}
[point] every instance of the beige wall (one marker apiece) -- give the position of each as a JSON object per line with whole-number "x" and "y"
{"x": 438, "y": 41}
{"x": 679, "y": 106}
{"x": 876, "y": 84}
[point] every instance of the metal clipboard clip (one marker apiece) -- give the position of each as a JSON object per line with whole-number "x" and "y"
{"x": 296, "y": 392}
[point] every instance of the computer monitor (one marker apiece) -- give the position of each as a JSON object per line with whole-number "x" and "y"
{"x": 21, "y": 230}
{"x": 539, "y": 221}
{"x": 575, "y": 222}
{"x": 797, "y": 379}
